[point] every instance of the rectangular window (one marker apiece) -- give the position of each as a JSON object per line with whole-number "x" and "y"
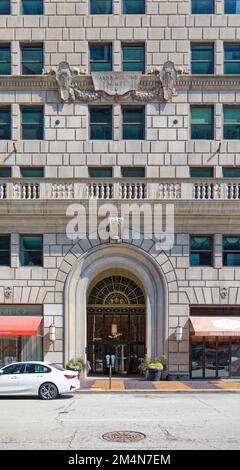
{"x": 202, "y": 58}
{"x": 133, "y": 7}
{"x": 31, "y": 250}
{"x": 100, "y": 57}
{"x": 32, "y": 7}
{"x": 101, "y": 123}
{"x": 202, "y": 122}
{"x": 232, "y": 59}
{"x": 133, "y": 122}
{"x": 5, "y": 7}
{"x": 32, "y": 59}
{"x": 231, "y": 251}
{"x": 200, "y": 172}
{"x": 32, "y": 122}
{"x": 100, "y": 172}
{"x": 31, "y": 172}
{"x": 133, "y": 57}
{"x": 133, "y": 172}
{"x": 231, "y": 6}
{"x": 201, "y": 250}
{"x": 5, "y": 250}
{"x": 231, "y": 172}
{"x": 5, "y": 122}
{"x": 202, "y": 7}
{"x": 5, "y": 172}
{"x": 5, "y": 59}
{"x": 101, "y": 7}
{"x": 231, "y": 122}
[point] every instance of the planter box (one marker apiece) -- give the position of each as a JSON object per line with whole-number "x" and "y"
{"x": 154, "y": 374}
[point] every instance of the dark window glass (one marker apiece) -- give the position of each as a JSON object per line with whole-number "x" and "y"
{"x": 133, "y": 172}
{"x": 32, "y": 59}
{"x": 201, "y": 251}
{"x": 100, "y": 57}
{"x": 5, "y": 250}
{"x": 101, "y": 123}
{"x": 14, "y": 369}
{"x": 5, "y": 122}
{"x": 231, "y": 6}
{"x": 133, "y": 7}
{"x": 232, "y": 59}
{"x": 36, "y": 369}
{"x": 197, "y": 360}
{"x": 32, "y": 7}
{"x": 202, "y": 58}
{"x": 133, "y": 58}
{"x": 231, "y": 251}
{"x": 5, "y": 59}
{"x": 101, "y": 7}
{"x": 202, "y": 122}
{"x": 5, "y": 7}
{"x": 235, "y": 358}
{"x": 215, "y": 359}
{"x": 231, "y": 172}
{"x": 199, "y": 172}
{"x": 231, "y": 122}
{"x": 133, "y": 123}
{"x": 32, "y": 122}
{"x": 100, "y": 172}
{"x": 5, "y": 172}
{"x": 31, "y": 172}
{"x": 210, "y": 359}
{"x": 202, "y": 7}
{"x": 223, "y": 358}
{"x": 31, "y": 250}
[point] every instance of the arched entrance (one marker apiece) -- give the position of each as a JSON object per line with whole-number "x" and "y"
{"x": 116, "y": 324}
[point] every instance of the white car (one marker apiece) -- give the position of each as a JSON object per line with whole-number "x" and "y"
{"x": 37, "y": 378}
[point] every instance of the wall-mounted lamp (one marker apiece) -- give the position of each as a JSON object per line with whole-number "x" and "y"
{"x": 52, "y": 333}
{"x": 179, "y": 333}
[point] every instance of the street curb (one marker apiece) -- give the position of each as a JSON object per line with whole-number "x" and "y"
{"x": 154, "y": 392}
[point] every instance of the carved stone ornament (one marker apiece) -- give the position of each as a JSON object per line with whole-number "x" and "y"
{"x": 168, "y": 77}
{"x": 7, "y": 292}
{"x": 223, "y": 292}
{"x": 115, "y": 228}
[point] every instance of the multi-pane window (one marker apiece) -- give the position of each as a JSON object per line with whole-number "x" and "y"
{"x": 133, "y": 7}
{"x": 32, "y": 122}
{"x": 31, "y": 172}
{"x": 133, "y": 57}
{"x": 202, "y": 58}
{"x": 100, "y": 172}
{"x": 5, "y": 172}
{"x": 5, "y": 7}
{"x": 201, "y": 172}
{"x": 100, "y": 57}
{"x": 202, "y": 122}
{"x": 100, "y": 7}
{"x": 32, "y": 7}
{"x": 231, "y": 6}
{"x": 133, "y": 122}
{"x": 5, "y": 122}
{"x": 5, "y": 250}
{"x": 5, "y": 59}
{"x": 201, "y": 250}
{"x": 31, "y": 250}
{"x": 231, "y": 172}
{"x": 133, "y": 172}
{"x": 231, "y": 251}
{"x": 231, "y": 122}
{"x": 32, "y": 59}
{"x": 232, "y": 59}
{"x": 101, "y": 122}
{"x": 202, "y": 7}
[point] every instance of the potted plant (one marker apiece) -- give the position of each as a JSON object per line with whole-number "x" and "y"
{"x": 152, "y": 368}
{"x": 76, "y": 364}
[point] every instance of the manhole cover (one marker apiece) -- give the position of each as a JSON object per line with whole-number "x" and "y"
{"x": 123, "y": 436}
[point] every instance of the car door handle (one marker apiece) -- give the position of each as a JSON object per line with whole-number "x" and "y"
{"x": 13, "y": 378}
{"x": 39, "y": 375}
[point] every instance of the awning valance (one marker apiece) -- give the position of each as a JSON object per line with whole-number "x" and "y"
{"x": 215, "y": 326}
{"x": 19, "y": 325}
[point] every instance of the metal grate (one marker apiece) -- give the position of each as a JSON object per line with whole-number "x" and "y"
{"x": 124, "y": 436}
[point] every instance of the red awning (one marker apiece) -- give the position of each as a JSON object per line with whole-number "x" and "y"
{"x": 23, "y": 326}
{"x": 215, "y": 326}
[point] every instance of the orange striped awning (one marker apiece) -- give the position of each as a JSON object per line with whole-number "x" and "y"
{"x": 215, "y": 326}
{"x": 23, "y": 326}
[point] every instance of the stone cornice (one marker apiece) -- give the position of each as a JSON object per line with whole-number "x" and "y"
{"x": 199, "y": 82}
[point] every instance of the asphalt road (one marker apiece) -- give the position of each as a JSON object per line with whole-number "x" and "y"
{"x": 202, "y": 421}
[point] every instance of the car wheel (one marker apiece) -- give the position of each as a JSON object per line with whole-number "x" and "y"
{"x": 48, "y": 391}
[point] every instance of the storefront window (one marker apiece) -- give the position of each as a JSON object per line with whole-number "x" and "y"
{"x": 212, "y": 359}
{"x": 223, "y": 352}
{"x": 197, "y": 360}
{"x": 235, "y": 359}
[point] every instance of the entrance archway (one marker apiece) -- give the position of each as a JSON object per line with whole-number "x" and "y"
{"x": 116, "y": 324}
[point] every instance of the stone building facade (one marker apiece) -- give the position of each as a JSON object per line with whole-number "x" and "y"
{"x": 174, "y": 166}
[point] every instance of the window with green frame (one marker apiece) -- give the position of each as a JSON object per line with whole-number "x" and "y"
{"x": 5, "y": 172}
{"x": 5, "y": 250}
{"x": 231, "y": 127}
{"x": 202, "y": 58}
{"x": 100, "y": 57}
{"x": 103, "y": 172}
{"x": 100, "y": 7}
{"x": 133, "y": 172}
{"x": 231, "y": 7}
{"x": 231, "y": 172}
{"x": 5, "y": 122}
{"x": 5, "y": 59}
{"x": 32, "y": 122}
{"x": 202, "y": 122}
{"x": 133, "y": 123}
{"x": 31, "y": 250}
{"x": 5, "y": 7}
{"x": 202, "y": 7}
{"x": 133, "y": 7}
{"x": 100, "y": 122}
{"x": 32, "y": 172}
{"x": 232, "y": 59}
{"x": 32, "y": 7}
{"x": 231, "y": 251}
{"x": 201, "y": 248}
{"x": 201, "y": 172}
{"x": 32, "y": 59}
{"x": 133, "y": 57}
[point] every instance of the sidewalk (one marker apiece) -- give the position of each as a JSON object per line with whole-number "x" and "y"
{"x": 141, "y": 385}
